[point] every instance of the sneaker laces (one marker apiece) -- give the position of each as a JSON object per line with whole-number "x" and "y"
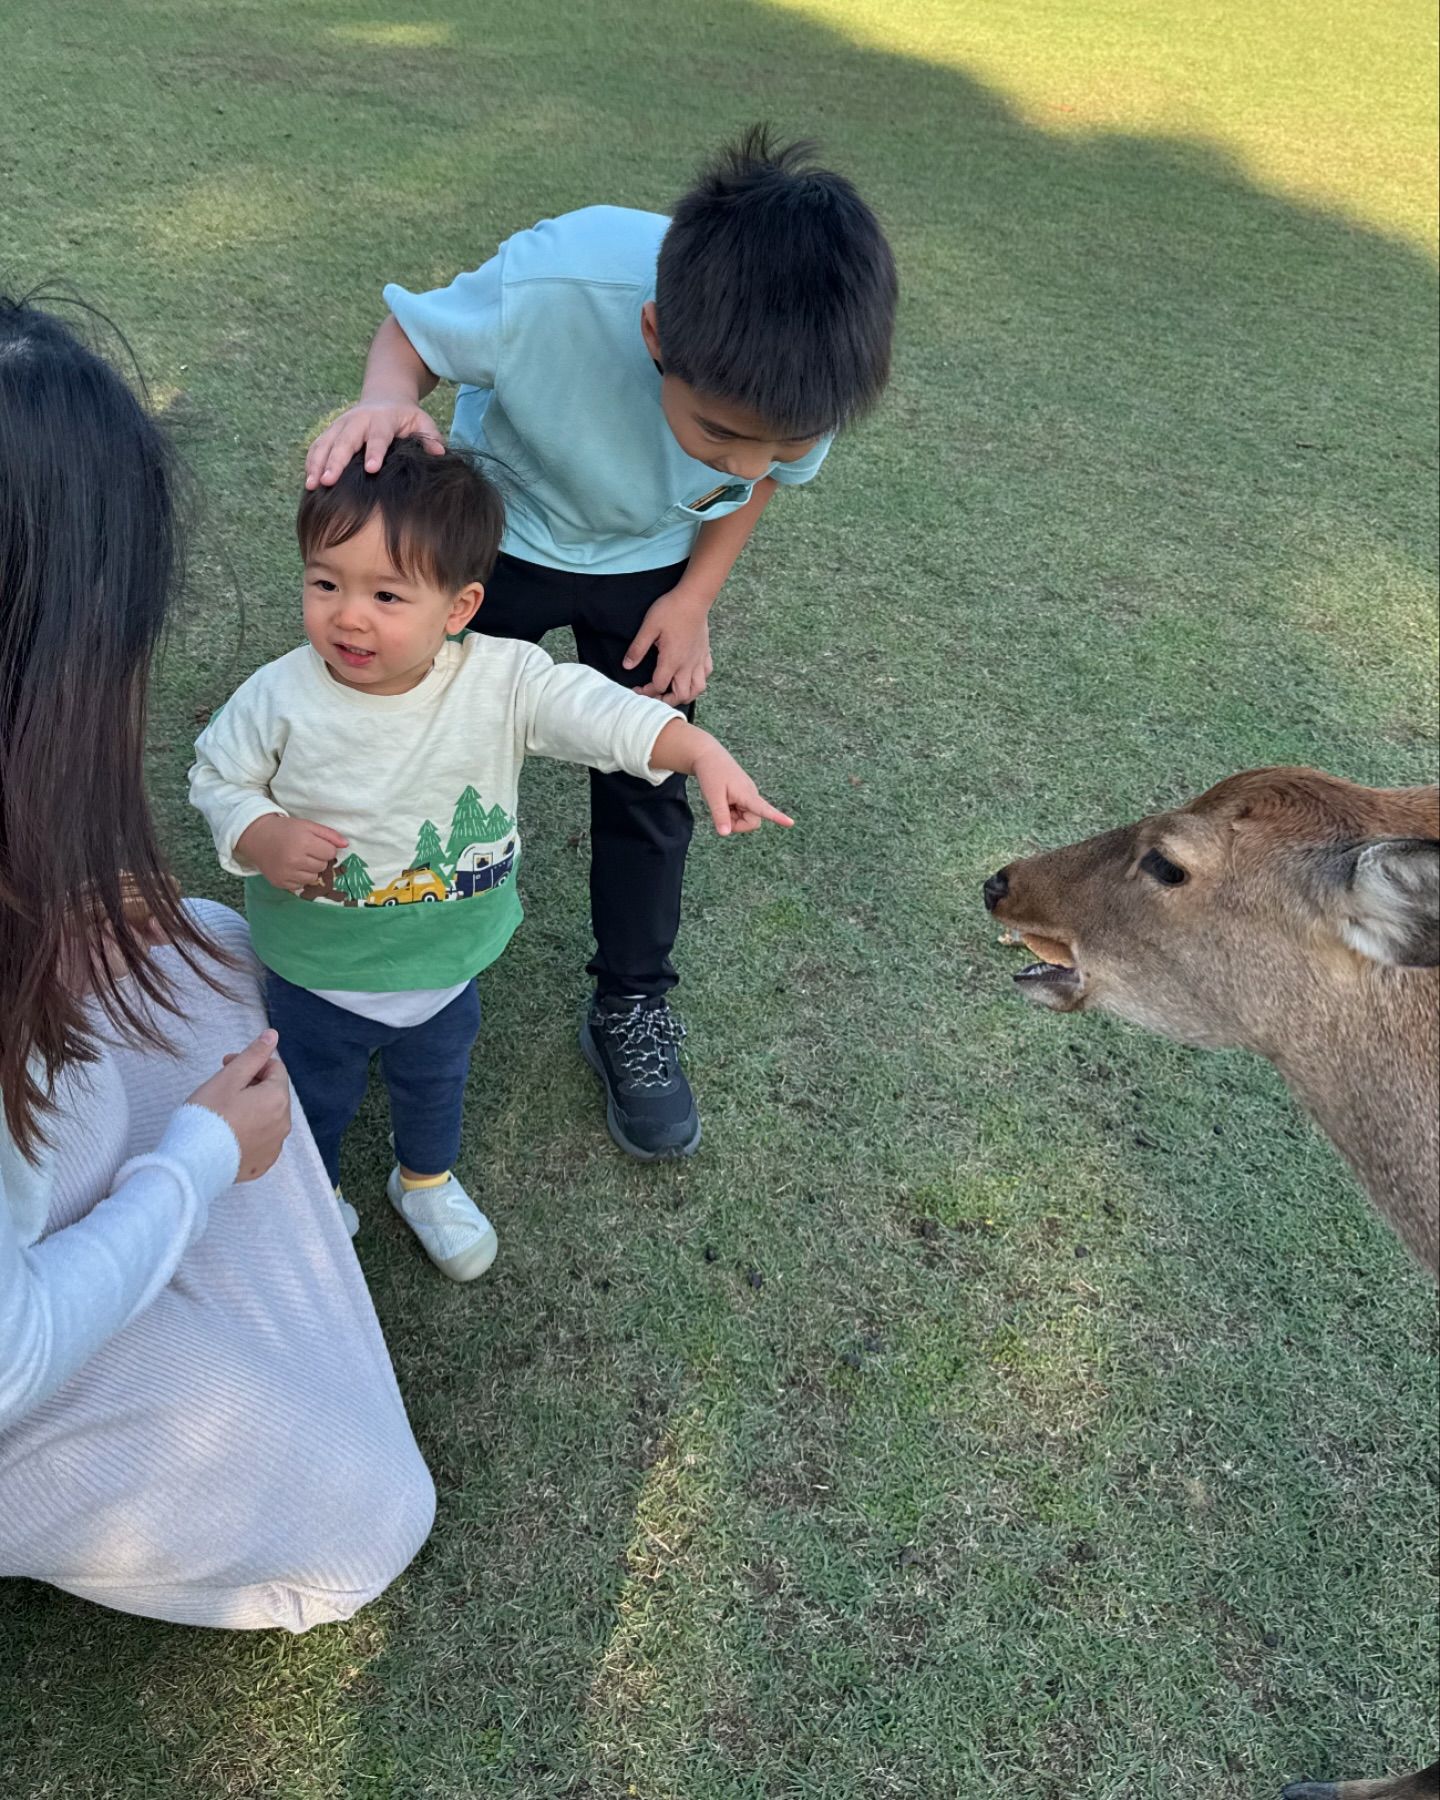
{"x": 646, "y": 1038}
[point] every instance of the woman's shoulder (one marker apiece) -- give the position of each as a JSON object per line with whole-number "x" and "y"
{"x": 224, "y": 927}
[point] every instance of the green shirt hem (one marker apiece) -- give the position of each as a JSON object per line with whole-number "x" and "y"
{"x": 379, "y": 949}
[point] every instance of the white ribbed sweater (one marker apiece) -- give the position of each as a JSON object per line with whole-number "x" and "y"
{"x": 64, "y": 1295}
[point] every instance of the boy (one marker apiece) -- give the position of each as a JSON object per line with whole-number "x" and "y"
{"x": 365, "y": 785}
{"x": 647, "y": 383}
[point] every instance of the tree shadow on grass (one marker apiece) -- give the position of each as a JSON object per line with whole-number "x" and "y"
{"x": 1153, "y": 498}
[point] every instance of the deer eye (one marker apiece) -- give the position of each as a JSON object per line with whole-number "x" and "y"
{"x": 1160, "y": 868}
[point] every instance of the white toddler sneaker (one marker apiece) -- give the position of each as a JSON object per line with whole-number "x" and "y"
{"x": 453, "y": 1232}
{"x": 349, "y": 1218}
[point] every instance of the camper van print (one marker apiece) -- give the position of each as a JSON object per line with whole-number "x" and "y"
{"x": 478, "y": 858}
{"x": 482, "y": 867}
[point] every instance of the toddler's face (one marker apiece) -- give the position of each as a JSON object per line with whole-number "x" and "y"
{"x": 377, "y": 628}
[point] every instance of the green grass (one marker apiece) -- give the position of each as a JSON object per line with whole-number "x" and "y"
{"x": 1079, "y": 1442}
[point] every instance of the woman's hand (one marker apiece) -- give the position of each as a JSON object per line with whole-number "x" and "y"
{"x": 252, "y": 1095}
{"x": 677, "y": 628}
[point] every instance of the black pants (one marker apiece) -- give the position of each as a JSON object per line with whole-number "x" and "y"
{"x": 639, "y": 833}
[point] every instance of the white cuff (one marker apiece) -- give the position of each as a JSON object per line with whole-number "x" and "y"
{"x": 198, "y": 1148}
{"x": 647, "y": 731}
{"x": 238, "y": 822}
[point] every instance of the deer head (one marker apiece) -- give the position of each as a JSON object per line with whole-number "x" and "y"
{"x": 1226, "y": 922}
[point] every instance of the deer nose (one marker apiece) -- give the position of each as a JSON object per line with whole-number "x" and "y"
{"x": 995, "y": 890}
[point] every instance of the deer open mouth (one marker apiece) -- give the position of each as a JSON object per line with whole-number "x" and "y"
{"x": 1056, "y": 979}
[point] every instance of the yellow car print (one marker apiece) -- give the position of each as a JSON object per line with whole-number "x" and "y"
{"x": 412, "y": 885}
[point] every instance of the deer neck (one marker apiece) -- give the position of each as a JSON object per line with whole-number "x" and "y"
{"x": 1365, "y": 1064}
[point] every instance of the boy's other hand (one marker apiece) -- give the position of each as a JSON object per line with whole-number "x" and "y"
{"x": 290, "y": 853}
{"x": 735, "y": 803}
{"x": 677, "y": 628}
{"x": 371, "y": 426}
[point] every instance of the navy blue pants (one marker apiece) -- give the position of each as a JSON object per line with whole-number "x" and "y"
{"x": 327, "y": 1051}
{"x": 639, "y": 833}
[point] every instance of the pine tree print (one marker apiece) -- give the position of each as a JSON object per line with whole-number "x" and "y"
{"x": 429, "y": 852}
{"x": 498, "y": 824}
{"x": 467, "y": 826}
{"x": 353, "y": 880}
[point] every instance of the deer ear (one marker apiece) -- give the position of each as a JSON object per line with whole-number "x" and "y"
{"x": 1390, "y": 903}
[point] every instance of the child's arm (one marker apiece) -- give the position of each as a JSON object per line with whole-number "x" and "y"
{"x": 677, "y": 626}
{"x": 450, "y": 334}
{"x": 289, "y": 853}
{"x": 396, "y": 381}
{"x": 578, "y": 715}
{"x": 230, "y": 785}
{"x": 735, "y": 803}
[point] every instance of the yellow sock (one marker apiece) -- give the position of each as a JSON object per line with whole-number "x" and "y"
{"x": 410, "y": 1182}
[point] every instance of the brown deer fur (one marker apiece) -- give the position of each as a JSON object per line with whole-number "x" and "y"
{"x": 1289, "y": 913}
{"x": 1274, "y": 942}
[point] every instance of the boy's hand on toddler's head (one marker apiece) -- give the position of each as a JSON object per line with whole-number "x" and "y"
{"x": 677, "y": 628}
{"x": 371, "y": 426}
{"x": 735, "y": 803}
{"x": 290, "y": 853}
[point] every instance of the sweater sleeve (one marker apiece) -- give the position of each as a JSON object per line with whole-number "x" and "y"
{"x": 62, "y": 1299}
{"x": 576, "y": 714}
{"x": 236, "y": 757}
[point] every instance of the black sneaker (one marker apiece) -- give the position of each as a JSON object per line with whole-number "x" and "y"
{"x": 632, "y": 1042}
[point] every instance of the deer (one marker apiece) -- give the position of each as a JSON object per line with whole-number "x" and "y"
{"x": 1293, "y": 914}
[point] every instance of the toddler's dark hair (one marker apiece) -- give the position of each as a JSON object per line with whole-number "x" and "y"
{"x": 443, "y": 518}
{"x": 776, "y": 289}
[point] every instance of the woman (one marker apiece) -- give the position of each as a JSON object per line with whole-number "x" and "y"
{"x": 198, "y": 1418}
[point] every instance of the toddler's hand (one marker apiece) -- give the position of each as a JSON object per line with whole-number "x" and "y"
{"x": 735, "y": 803}
{"x": 289, "y": 853}
{"x": 371, "y": 425}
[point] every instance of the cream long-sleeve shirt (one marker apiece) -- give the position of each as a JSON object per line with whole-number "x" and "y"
{"x": 423, "y": 786}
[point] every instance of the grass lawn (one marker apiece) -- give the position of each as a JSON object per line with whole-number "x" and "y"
{"x": 999, "y": 1405}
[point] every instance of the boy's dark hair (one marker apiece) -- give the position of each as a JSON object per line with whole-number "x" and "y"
{"x": 443, "y": 518}
{"x": 776, "y": 289}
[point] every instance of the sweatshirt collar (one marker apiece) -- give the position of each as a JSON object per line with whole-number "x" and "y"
{"x": 424, "y": 693}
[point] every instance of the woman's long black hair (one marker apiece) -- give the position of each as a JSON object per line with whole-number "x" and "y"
{"x": 89, "y": 548}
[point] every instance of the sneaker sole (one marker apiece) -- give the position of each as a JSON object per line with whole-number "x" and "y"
{"x": 671, "y": 1153}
